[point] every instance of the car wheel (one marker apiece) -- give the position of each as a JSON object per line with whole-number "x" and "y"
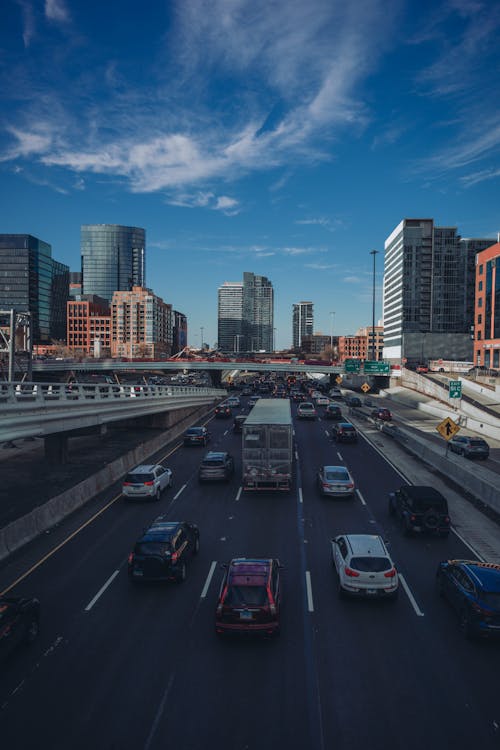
{"x": 341, "y": 591}
{"x": 431, "y": 520}
{"x": 407, "y": 530}
{"x": 158, "y": 495}
{"x": 196, "y": 546}
{"x": 181, "y": 575}
{"x": 32, "y": 630}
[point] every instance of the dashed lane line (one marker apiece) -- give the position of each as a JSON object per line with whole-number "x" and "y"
{"x": 410, "y": 596}
{"x": 101, "y": 591}
{"x": 209, "y": 579}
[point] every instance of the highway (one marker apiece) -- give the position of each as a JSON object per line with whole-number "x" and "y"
{"x": 119, "y": 666}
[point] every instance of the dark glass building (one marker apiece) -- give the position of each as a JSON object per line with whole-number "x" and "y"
{"x": 32, "y": 281}
{"x": 113, "y": 259}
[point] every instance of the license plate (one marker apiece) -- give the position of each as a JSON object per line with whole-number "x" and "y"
{"x": 246, "y": 616}
{"x": 371, "y": 592}
{"x": 138, "y": 573}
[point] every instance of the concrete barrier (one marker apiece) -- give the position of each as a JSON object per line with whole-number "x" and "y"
{"x": 23, "y": 530}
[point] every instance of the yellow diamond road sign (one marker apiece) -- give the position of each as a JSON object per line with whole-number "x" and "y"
{"x": 365, "y": 387}
{"x": 447, "y": 428}
{"x": 338, "y": 379}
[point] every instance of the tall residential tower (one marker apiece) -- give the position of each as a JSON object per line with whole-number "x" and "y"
{"x": 302, "y": 322}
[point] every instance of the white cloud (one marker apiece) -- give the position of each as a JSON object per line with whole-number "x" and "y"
{"x": 56, "y": 10}
{"x": 321, "y": 266}
{"x": 352, "y": 279}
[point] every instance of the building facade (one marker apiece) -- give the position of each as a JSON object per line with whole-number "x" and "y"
{"x": 316, "y": 343}
{"x": 180, "y": 332}
{"x": 113, "y": 259}
{"x": 230, "y": 317}
{"x": 427, "y": 303}
{"x": 141, "y": 325}
{"x": 258, "y": 313}
{"x": 487, "y": 308}
{"x": 89, "y": 326}
{"x": 302, "y": 322}
{"x": 32, "y": 281}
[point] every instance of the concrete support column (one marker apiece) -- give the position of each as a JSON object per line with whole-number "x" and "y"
{"x": 56, "y": 448}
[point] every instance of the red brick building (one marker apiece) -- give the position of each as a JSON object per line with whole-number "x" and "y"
{"x": 487, "y": 308}
{"x": 88, "y": 328}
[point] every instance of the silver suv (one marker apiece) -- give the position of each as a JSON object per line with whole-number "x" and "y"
{"x": 215, "y": 466}
{"x": 147, "y": 480}
{"x": 364, "y": 567}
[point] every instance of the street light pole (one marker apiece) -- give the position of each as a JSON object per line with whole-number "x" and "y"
{"x": 201, "y": 329}
{"x": 374, "y": 253}
{"x": 332, "y": 314}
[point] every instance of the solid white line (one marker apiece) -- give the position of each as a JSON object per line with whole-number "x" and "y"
{"x": 326, "y": 433}
{"x": 239, "y": 494}
{"x": 209, "y": 579}
{"x": 296, "y": 456}
{"x": 411, "y": 597}
{"x": 101, "y": 591}
{"x": 310, "y": 605}
{"x": 181, "y": 489}
{"x": 358, "y": 493}
{"x": 340, "y": 456}
{"x": 301, "y": 499}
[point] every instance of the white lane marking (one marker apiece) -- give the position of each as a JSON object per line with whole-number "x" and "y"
{"x": 225, "y": 433}
{"x": 209, "y": 579}
{"x": 239, "y": 494}
{"x": 159, "y": 713}
{"x": 468, "y": 544}
{"x": 301, "y": 499}
{"x": 101, "y": 591}
{"x": 296, "y": 456}
{"x": 181, "y": 490}
{"x": 326, "y": 433}
{"x": 310, "y": 605}
{"x": 340, "y": 456}
{"x": 411, "y": 597}
{"x": 358, "y": 493}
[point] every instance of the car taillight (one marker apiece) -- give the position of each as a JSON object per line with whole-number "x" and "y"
{"x": 413, "y": 518}
{"x": 174, "y": 557}
{"x": 148, "y": 484}
{"x": 127, "y": 484}
{"x": 325, "y": 485}
{"x": 390, "y": 573}
{"x": 351, "y": 573}
{"x": 131, "y": 558}
{"x": 350, "y": 486}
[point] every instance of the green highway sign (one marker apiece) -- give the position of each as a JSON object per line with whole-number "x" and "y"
{"x": 455, "y": 389}
{"x": 375, "y": 367}
{"x": 352, "y": 365}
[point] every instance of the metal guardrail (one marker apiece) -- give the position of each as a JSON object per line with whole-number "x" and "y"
{"x": 19, "y": 393}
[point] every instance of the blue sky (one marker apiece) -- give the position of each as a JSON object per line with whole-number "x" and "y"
{"x": 283, "y": 137}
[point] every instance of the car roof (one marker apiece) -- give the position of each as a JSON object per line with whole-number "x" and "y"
{"x": 195, "y": 429}
{"x": 215, "y": 454}
{"x": 161, "y": 530}
{"x": 143, "y": 469}
{"x": 422, "y": 492}
{"x": 345, "y": 424}
{"x": 245, "y": 571}
{"x": 366, "y": 544}
{"x": 334, "y": 468}
{"x": 486, "y": 575}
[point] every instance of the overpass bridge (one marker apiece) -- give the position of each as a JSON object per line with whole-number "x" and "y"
{"x": 57, "y": 411}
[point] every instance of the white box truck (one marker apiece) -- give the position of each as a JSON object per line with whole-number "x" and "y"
{"x": 268, "y": 446}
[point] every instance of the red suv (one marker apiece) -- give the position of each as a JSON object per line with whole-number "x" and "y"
{"x": 249, "y": 598}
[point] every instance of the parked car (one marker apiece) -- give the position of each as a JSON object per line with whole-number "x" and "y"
{"x": 473, "y": 589}
{"x": 223, "y": 411}
{"x": 344, "y": 432}
{"x": 19, "y": 622}
{"x": 333, "y": 412}
{"x": 364, "y": 566}
{"x": 250, "y": 597}
{"x": 215, "y": 466}
{"x": 147, "y": 480}
{"x": 163, "y": 552}
{"x": 335, "y": 481}
{"x": 382, "y": 414}
{"x": 469, "y": 446}
{"x": 306, "y": 410}
{"x": 420, "y": 509}
{"x": 196, "y": 436}
{"x": 238, "y": 422}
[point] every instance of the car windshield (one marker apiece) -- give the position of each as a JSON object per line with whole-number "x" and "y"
{"x": 194, "y": 431}
{"x": 153, "y": 548}
{"x": 337, "y": 475}
{"x": 246, "y": 595}
{"x": 477, "y": 443}
{"x": 370, "y": 564}
{"x": 139, "y": 478}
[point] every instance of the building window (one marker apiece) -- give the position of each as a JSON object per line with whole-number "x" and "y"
{"x": 481, "y": 270}
{"x": 480, "y": 302}
{"x": 479, "y": 319}
{"x": 480, "y": 287}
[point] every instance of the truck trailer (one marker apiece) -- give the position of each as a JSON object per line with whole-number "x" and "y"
{"x": 268, "y": 446}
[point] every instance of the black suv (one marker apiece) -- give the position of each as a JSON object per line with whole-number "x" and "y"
{"x": 163, "y": 551}
{"x": 216, "y": 465}
{"x": 420, "y": 509}
{"x": 19, "y": 622}
{"x": 344, "y": 432}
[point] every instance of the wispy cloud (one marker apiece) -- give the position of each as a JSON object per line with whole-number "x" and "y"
{"x": 56, "y": 11}
{"x": 352, "y": 280}
{"x": 321, "y": 266}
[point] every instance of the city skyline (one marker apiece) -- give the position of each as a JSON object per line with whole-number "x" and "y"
{"x": 282, "y": 138}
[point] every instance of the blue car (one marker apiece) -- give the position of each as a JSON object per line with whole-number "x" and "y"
{"x": 473, "y": 589}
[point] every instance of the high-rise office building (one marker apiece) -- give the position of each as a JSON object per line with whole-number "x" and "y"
{"x": 302, "y": 322}
{"x": 32, "y": 281}
{"x": 427, "y": 305}
{"x": 230, "y": 317}
{"x": 258, "y": 313}
{"x": 113, "y": 258}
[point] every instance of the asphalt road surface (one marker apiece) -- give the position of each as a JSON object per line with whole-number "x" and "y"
{"x": 119, "y": 667}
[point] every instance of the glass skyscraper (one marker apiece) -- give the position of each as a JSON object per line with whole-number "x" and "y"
{"x": 113, "y": 259}
{"x": 32, "y": 281}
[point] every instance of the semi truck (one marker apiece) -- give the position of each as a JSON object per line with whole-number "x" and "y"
{"x": 268, "y": 446}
